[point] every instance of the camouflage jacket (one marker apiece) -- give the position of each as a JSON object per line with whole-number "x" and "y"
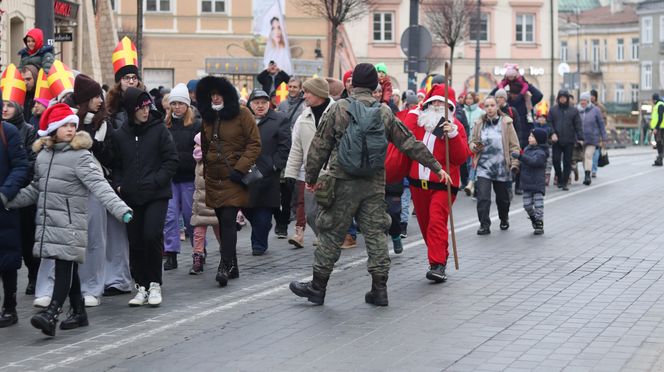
{"x": 333, "y": 126}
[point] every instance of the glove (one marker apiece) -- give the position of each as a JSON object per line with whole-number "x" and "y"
{"x": 515, "y": 155}
{"x": 290, "y": 182}
{"x": 236, "y": 176}
{"x": 127, "y": 217}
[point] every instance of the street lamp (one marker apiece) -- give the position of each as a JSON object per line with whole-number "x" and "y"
{"x": 577, "y": 11}
{"x": 478, "y": 29}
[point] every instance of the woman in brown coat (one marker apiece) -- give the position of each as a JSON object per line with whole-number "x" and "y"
{"x": 231, "y": 144}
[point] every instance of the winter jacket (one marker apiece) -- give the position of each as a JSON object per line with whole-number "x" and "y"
{"x": 518, "y": 101}
{"x": 184, "y": 143}
{"x": 303, "y": 132}
{"x": 565, "y": 121}
{"x": 102, "y": 142}
{"x": 14, "y": 170}
{"x": 292, "y": 108}
{"x": 28, "y": 136}
{"x": 386, "y": 85}
{"x": 146, "y": 160}
{"x": 65, "y": 174}
{"x": 275, "y": 135}
{"x": 533, "y": 168}
{"x": 517, "y": 123}
{"x": 230, "y": 141}
{"x": 510, "y": 140}
{"x": 472, "y": 113}
{"x": 201, "y": 214}
{"x": 266, "y": 81}
{"x": 41, "y": 56}
{"x": 593, "y": 125}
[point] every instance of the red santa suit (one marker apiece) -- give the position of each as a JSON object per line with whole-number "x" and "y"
{"x": 428, "y": 193}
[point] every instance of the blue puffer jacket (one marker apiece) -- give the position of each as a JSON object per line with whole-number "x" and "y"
{"x": 593, "y": 125}
{"x": 533, "y": 167}
{"x": 473, "y": 112}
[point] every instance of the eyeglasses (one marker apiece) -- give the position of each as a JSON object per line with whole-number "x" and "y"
{"x": 130, "y": 78}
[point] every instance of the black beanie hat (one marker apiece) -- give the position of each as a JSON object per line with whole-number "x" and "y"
{"x": 365, "y": 76}
{"x": 125, "y": 70}
{"x": 134, "y": 99}
{"x": 541, "y": 135}
{"x": 85, "y": 89}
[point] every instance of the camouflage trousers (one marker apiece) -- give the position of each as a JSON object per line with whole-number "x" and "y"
{"x": 363, "y": 199}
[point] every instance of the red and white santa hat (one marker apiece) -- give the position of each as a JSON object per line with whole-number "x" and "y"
{"x": 54, "y": 117}
{"x": 437, "y": 93}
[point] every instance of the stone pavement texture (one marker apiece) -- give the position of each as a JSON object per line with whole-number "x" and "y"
{"x": 586, "y": 296}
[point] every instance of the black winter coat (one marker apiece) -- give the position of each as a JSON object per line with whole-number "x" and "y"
{"x": 184, "y": 143}
{"x": 102, "y": 149}
{"x": 275, "y": 135}
{"x": 533, "y": 168}
{"x": 14, "y": 169}
{"x": 266, "y": 80}
{"x": 566, "y": 124}
{"x": 28, "y": 135}
{"x": 146, "y": 160}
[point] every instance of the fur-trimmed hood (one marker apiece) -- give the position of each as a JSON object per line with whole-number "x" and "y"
{"x": 81, "y": 140}
{"x": 209, "y": 84}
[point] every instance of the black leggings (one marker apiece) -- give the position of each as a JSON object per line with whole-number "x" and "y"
{"x": 9, "y": 283}
{"x": 228, "y": 231}
{"x": 146, "y": 242}
{"x": 66, "y": 282}
{"x": 28, "y": 240}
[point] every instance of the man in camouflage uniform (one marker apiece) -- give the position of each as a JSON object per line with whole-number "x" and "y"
{"x": 362, "y": 198}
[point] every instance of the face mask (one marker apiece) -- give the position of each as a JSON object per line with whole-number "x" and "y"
{"x": 217, "y": 107}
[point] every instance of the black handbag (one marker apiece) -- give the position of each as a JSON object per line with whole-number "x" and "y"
{"x": 603, "y": 158}
{"x": 252, "y": 176}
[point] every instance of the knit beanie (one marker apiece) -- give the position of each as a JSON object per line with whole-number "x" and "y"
{"x": 54, "y": 117}
{"x": 192, "y": 84}
{"x": 347, "y": 75}
{"x": 135, "y": 99}
{"x": 126, "y": 70}
{"x": 365, "y": 76}
{"x": 380, "y": 67}
{"x": 541, "y": 135}
{"x": 585, "y": 96}
{"x": 43, "y": 101}
{"x": 180, "y": 94}
{"x": 85, "y": 89}
{"x": 319, "y": 87}
{"x": 501, "y": 93}
{"x": 411, "y": 99}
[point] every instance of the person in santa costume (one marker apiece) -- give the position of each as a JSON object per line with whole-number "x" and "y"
{"x": 428, "y": 192}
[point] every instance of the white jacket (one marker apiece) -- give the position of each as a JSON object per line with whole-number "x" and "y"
{"x": 303, "y": 133}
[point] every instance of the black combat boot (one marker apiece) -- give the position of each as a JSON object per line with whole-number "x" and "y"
{"x": 314, "y": 290}
{"x": 171, "y": 261}
{"x": 222, "y": 273}
{"x": 539, "y": 227}
{"x": 484, "y": 230}
{"x": 436, "y": 273}
{"x": 658, "y": 162}
{"x": 47, "y": 319}
{"x": 30, "y": 288}
{"x": 587, "y": 180}
{"x": 77, "y": 317}
{"x": 378, "y": 293}
{"x": 8, "y": 317}
{"x": 234, "y": 270}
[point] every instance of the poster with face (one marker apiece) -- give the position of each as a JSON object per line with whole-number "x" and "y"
{"x": 269, "y": 22}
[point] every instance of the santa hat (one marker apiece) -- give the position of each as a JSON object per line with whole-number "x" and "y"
{"x": 437, "y": 93}
{"x": 347, "y": 75}
{"x": 12, "y": 85}
{"x": 125, "y": 59}
{"x": 54, "y": 117}
{"x": 60, "y": 80}
{"x": 422, "y": 92}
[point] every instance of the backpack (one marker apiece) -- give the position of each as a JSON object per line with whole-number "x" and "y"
{"x": 362, "y": 148}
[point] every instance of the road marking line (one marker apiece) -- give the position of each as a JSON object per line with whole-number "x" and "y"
{"x": 264, "y": 293}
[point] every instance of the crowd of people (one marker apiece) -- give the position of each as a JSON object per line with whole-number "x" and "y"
{"x": 98, "y": 186}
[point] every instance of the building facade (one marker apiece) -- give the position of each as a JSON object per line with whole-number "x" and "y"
{"x": 520, "y": 31}
{"x": 606, "y": 41}
{"x": 651, "y": 53}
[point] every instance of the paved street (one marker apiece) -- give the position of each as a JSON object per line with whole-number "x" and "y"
{"x": 586, "y": 296}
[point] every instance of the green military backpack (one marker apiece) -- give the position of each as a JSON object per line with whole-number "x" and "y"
{"x": 363, "y": 146}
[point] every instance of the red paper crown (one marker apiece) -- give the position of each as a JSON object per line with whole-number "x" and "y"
{"x": 124, "y": 54}
{"x": 60, "y": 79}
{"x": 41, "y": 87}
{"x": 12, "y": 85}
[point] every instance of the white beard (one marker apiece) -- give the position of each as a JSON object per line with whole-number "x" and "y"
{"x": 430, "y": 117}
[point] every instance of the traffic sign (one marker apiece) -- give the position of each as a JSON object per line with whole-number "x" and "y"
{"x": 425, "y": 42}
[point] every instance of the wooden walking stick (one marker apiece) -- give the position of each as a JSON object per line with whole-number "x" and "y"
{"x": 447, "y": 166}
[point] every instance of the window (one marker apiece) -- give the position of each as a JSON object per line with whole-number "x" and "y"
{"x": 646, "y": 30}
{"x": 635, "y": 93}
{"x": 382, "y": 27}
{"x": 563, "y": 51}
{"x": 213, "y": 6}
{"x": 113, "y": 5}
{"x": 602, "y": 93}
{"x": 620, "y": 93}
{"x": 620, "y": 50}
{"x": 483, "y": 28}
{"x": 157, "y": 5}
{"x": 525, "y": 28}
{"x": 605, "y": 56}
{"x": 595, "y": 55}
{"x": 646, "y": 75}
{"x": 635, "y": 49}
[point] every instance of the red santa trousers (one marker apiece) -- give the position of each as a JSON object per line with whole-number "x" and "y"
{"x": 432, "y": 211}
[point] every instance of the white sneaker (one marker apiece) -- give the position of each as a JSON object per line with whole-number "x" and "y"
{"x": 154, "y": 294}
{"x": 91, "y": 301}
{"x": 41, "y": 302}
{"x": 141, "y": 297}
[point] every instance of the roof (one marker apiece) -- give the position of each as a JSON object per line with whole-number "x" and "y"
{"x": 603, "y": 16}
{"x": 570, "y": 6}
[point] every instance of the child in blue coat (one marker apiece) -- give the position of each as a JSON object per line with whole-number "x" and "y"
{"x": 533, "y": 168}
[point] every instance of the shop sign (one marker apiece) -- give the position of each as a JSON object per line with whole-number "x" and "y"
{"x": 532, "y": 71}
{"x": 65, "y": 9}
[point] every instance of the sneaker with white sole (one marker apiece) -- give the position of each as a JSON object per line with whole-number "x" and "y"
{"x": 41, "y": 302}
{"x": 141, "y": 297}
{"x": 91, "y": 301}
{"x": 154, "y": 294}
